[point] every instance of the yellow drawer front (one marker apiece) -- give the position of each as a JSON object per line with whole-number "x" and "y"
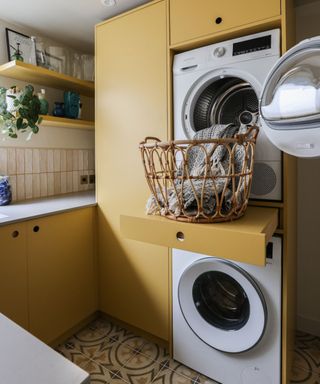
{"x": 191, "y": 19}
{"x": 241, "y": 240}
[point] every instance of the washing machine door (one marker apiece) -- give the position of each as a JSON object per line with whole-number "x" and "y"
{"x": 222, "y": 304}
{"x": 290, "y": 101}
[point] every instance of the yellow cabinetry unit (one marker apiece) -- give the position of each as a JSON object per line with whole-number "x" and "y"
{"x": 192, "y": 19}
{"x": 61, "y": 267}
{"x": 48, "y": 279}
{"x": 13, "y": 273}
{"x": 131, "y": 103}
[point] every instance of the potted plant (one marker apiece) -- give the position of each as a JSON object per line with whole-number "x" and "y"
{"x": 19, "y": 111}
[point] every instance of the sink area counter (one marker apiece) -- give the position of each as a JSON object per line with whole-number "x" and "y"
{"x": 30, "y": 209}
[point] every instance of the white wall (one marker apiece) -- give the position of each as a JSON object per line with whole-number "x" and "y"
{"x": 308, "y": 25}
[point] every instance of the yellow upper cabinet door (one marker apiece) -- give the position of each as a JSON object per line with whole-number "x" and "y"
{"x": 191, "y": 19}
{"x": 131, "y": 104}
{"x": 61, "y": 267}
{"x": 13, "y": 273}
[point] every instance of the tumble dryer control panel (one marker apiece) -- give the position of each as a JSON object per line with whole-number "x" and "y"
{"x": 252, "y": 45}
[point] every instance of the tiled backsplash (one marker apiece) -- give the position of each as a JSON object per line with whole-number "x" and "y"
{"x": 40, "y": 172}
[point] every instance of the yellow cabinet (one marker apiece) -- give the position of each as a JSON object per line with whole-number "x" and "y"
{"x": 192, "y": 19}
{"x": 13, "y": 273}
{"x": 61, "y": 267}
{"x": 131, "y": 103}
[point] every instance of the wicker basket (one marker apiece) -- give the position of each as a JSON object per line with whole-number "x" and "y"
{"x": 215, "y": 191}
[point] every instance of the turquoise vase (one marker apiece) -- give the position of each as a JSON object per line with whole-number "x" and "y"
{"x": 71, "y": 104}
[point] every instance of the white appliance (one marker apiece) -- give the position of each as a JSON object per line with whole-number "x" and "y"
{"x": 227, "y": 316}
{"x": 221, "y": 84}
{"x": 290, "y": 101}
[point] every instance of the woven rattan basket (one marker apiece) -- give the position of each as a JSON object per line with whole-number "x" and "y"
{"x": 213, "y": 192}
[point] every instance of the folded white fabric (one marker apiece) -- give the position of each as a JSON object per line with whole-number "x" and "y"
{"x": 298, "y": 96}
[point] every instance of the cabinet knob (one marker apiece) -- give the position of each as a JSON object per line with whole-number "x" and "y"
{"x": 15, "y": 234}
{"x": 36, "y": 228}
{"x": 218, "y": 20}
{"x": 180, "y": 236}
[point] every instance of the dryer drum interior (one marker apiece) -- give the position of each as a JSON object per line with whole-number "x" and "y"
{"x": 224, "y": 101}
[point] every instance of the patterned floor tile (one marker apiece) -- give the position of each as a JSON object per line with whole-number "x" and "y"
{"x": 154, "y": 351}
{"x": 167, "y": 376}
{"x": 140, "y": 370}
{"x": 304, "y": 377}
{"x": 308, "y": 352}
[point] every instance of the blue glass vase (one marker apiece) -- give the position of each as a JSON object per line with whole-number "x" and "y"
{"x": 5, "y": 191}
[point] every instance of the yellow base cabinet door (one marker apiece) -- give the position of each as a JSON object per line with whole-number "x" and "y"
{"x": 61, "y": 268}
{"x": 131, "y": 104}
{"x": 13, "y": 273}
{"x": 191, "y": 19}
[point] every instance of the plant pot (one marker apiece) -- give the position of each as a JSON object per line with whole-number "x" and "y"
{"x": 10, "y": 100}
{"x": 5, "y": 191}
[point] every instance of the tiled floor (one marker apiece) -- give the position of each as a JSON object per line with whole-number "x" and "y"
{"x": 307, "y": 359}
{"x": 114, "y": 355}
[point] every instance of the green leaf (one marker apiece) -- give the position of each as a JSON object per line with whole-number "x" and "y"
{"x": 19, "y": 122}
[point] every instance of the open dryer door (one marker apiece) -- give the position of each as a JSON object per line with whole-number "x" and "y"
{"x": 290, "y": 101}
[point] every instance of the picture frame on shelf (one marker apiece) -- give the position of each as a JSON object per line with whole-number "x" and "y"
{"x": 20, "y": 47}
{"x": 54, "y": 63}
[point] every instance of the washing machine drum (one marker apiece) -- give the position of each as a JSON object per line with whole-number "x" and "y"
{"x": 290, "y": 101}
{"x": 223, "y": 305}
{"x": 222, "y": 101}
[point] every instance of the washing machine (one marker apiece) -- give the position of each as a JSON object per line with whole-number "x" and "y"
{"x": 227, "y": 316}
{"x": 222, "y": 84}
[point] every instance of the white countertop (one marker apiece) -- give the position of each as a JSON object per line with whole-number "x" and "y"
{"x": 30, "y": 209}
{"x": 25, "y": 359}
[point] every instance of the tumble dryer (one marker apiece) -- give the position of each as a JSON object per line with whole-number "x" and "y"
{"x": 227, "y": 316}
{"x": 222, "y": 84}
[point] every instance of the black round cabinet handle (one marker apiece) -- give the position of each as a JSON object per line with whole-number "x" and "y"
{"x": 36, "y": 228}
{"x": 15, "y": 234}
{"x": 218, "y": 20}
{"x": 180, "y": 236}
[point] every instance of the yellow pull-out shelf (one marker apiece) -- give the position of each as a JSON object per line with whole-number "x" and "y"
{"x": 242, "y": 240}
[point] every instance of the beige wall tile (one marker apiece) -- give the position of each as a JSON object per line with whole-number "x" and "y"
{"x": 21, "y": 195}
{"x": 91, "y": 159}
{"x": 43, "y": 160}
{"x": 56, "y": 160}
{"x": 12, "y": 163}
{"x": 85, "y": 159}
{"x": 63, "y": 182}
{"x": 36, "y": 185}
{"x": 91, "y": 186}
{"x": 80, "y": 154}
{"x": 50, "y": 184}
{"x": 50, "y": 160}
{"x": 75, "y": 181}
{"x": 3, "y": 161}
{"x": 57, "y": 183}
{"x": 28, "y": 186}
{"x": 13, "y": 183}
{"x": 43, "y": 185}
{"x": 69, "y": 182}
{"x": 20, "y": 161}
{"x": 63, "y": 160}
{"x": 69, "y": 160}
{"x": 75, "y": 160}
{"x": 28, "y": 160}
{"x": 35, "y": 160}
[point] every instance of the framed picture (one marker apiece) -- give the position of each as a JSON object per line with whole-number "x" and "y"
{"x": 20, "y": 47}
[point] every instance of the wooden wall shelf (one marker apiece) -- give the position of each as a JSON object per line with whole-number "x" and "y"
{"x": 241, "y": 240}
{"x": 63, "y": 122}
{"x": 38, "y": 75}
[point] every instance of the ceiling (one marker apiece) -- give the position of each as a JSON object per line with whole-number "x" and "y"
{"x": 68, "y": 21}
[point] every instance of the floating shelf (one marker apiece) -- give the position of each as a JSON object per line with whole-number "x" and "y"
{"x": 53, "y": 121}
{"x": 242, "y": 240}
{"x": 38, "y": 75}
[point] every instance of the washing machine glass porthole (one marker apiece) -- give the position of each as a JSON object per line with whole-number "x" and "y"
{"x": 221, "y": 300}
{"x": 228, "y": 100}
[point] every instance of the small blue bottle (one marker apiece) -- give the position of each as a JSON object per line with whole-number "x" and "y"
{"x": 5, "y": 191}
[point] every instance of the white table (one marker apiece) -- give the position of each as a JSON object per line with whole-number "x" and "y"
{"x": 25, "y": 359}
